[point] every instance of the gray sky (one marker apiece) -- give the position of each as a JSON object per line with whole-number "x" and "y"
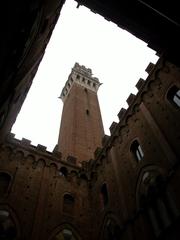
{"x": 115, "y": 56}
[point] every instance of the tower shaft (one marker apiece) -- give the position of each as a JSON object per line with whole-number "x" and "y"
{"x": 81, "y": 128}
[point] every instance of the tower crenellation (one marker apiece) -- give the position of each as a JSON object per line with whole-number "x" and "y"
{"x": 82, "y": 76}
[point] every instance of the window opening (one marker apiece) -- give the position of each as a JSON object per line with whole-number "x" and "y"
{"x": 137, "y": 150}
{"x": 174, "y": 96}
{"x": 104, "y": 195}
{"x": 68, "y": 203}
{"x": 63, "y": 171}
{"x": 4, "y": 183}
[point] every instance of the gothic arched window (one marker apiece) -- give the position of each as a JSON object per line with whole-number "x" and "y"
{"x": 173, "y": 96}
{"x": 4, "y": 183}
{"x": 157, "y": 201}
{"x": 136, "y": 150}
{"x": 68, "y": 203}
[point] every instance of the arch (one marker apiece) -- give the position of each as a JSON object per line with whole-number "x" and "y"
{"x": 111, "y": 229}
{"x": 52, "y": 165}
{"x": 148, "y": 174}
{"x": 9, "y": 224}
{"x": 19, "y": 155}
{"x": 154, "y": 198}
{"x": 41, "y": 163}
{"x": 8, "y": 149}
{"x": 63, "y": 172}
{"x": 30, "y": 160}
{"x": 58, "y": 233}
{"x": 6, "y": 152}
{"x": 73, "y": 173}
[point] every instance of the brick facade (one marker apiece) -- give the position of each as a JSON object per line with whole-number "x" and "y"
{"x": 128, "y": 191}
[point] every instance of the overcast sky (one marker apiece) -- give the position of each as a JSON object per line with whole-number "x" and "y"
{"x": 115, "y": 56}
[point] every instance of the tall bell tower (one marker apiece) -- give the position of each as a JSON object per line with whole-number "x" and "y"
{"x": 81, "y": 129}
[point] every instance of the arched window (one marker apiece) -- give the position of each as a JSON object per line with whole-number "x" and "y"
{"x": 157, "y": 201}
{"x": 137, "y": 151}
{"x": 63, "y": 171}
{"x": 7, "y": 226}
{"x": 68, "y": 203}
{"x": 65, "y": 234}
{"x": 173, "y": 96}
{"x": 104, "y": 195}
{"x": 4, "y": 183}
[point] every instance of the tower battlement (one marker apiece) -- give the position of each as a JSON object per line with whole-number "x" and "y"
{"x": 82, "y": 76}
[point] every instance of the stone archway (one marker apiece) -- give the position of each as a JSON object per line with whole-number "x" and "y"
{"x": 65, "y": 232}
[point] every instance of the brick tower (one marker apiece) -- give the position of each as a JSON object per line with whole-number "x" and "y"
{"x": 81, "y": 128}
